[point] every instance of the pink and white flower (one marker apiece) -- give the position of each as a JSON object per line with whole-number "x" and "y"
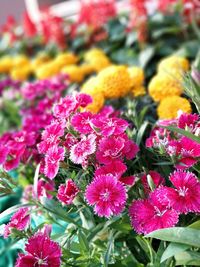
{"x": 185, "y": 196}
{"x": 84, "y": 148}
{"x": 148, "y": 215}
{"x": 20, "y": 220}
{"x": 107, "y": 195}
{"x": 52, "y": 159}
{"x": 67, "y": 192}
{"x": 40, "y": 251}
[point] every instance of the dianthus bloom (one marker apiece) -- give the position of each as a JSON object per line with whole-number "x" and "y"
{"x": 41, "y": 251}
{"x": 20, "y": 220}
{"x": 148, "y": 215}
{"x": 54, "y": 155}
{"x": 107, "y": 194}
{"x": 80, "y": 151}
{"x": 185, "y": 196}
{"x": 156, "y": 178}
{"x": 67, "y": 192}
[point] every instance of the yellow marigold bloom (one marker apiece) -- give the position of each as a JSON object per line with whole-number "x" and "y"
{"x": 20, "y": 74}
{"x": 47, "y": 70}
{"x": 94, "y": 52}
{"x": 173, "y": 62}
{"x": 138, "y": 91}
{"x": 137, "y": 76}
{"x": 39, "y": 61}
{"x": 75, "y": 73}
{"x": 169, "y": 107}
{"x": 99, "y": 63}
{"x": 65, "y": 59}
{"x": 20, "y": 60}
{"x": 91, "y": 86}
{"x": 86, "y": 69}
{"x": 114, "y": 81}
{"x": 98, "y": 102}
{"x": 6, "y": 64}
{"x": 162, "y": 86}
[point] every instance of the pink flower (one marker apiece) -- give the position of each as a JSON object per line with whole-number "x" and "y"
{"x": 83, "y": 100}
{"x": 130, "y": 148}
{"x": 67, "y": 192}
{"x": 155, "y": 176}
{"x": 82, "y": 122}
{"x": 20, "y": 220}
{"x": 50, "y": 136}
{"x": 70, "y": 140}
{"x": 128, "y": 180}
{"x": 65, "y": 107}
{"x": 188, "y": 120}
{"x": 41, "y": 251}
{"x": 148, "y": 215}
{"x": 110, "y": 148}
{"x": 189, "y": 151}
{"x": 116, "y": 167}
{"x": 185, "y": 196}
{"x": 107, "y": 194}
{"x": 44, "y": 187}
{"x": 54, "y": 155}
{"x": 110, "y": 126}
{"x": 80, "y": 151}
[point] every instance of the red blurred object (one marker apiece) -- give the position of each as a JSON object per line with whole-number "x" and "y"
{"x": 29, "y": 26}
{"x": 52, "y": 28}
{"x": 138, "y": 19}
{"x": 191, "y": 8}
{"x": 96, "y": 13}
{"x": 165, "y": 5}
{"x": 9, "y": 28}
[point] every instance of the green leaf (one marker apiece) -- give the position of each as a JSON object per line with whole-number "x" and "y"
{"x": 182, "y": 235}
{"x": 191, "y": 258}
{"x": 53, "y": 207}
{"x": 109, "y": 250}
{"x": 83, "y": 242}
{"x": 183, "y": 132}
{"x": 195, "y": 225}
{"x": 146, "y": 55}
{"x": 141, "y": 132}
{"x": 172, "y": 250}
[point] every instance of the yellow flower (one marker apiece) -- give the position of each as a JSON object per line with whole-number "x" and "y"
{"x": 91, "y": 86}
{"x": 20, "y": 74}
{"x": 114, "y": 81}
{"x": 65, "y": 59}
{"x": 6, "y": 64}
{"x": 173, "y": 62}
{"x": 86, "y": 69}
{"x": 39, "y": 61}
{"x": 138, "y": 91}
{"x": 99, "y": 63}
{"x": 98, "y": 102}
{"x": 169, "y": 107}
{"x": 94, "y": 52}
{"x": 20, "y": 60}
{"x": 162, "y": 86}
{"x": 47, "y": 70}
{"x": 137, "y": 76}
{"x": 75, "y": 73}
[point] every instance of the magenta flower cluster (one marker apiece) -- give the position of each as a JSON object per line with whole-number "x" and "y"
{"x": 183, "y": 151}
{"x": 39, "y": 97}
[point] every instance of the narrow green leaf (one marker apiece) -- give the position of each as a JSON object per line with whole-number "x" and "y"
{"x": 183, "y": 132}
{"x": 191, "y": 258}
{"x": 109, "y": 250}
{"x": 172, "y": 250}
{"x": 182, "y": 235}
{"x": 83, "y": 242}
